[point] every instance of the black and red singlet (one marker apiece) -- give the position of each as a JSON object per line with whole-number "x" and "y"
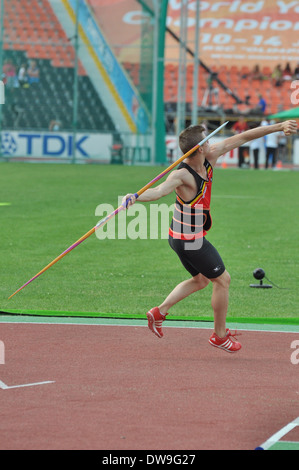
{"x": 192, "y": 219}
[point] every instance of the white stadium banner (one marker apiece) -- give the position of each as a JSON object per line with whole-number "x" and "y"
{"x": 56, "y": 145}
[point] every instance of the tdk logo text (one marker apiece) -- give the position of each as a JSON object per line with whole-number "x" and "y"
{"x": 53, "y": 144}
{"x": 48, "y": 145}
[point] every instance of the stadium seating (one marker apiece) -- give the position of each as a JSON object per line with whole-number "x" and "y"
{"x": 52, "y": 99}
{"x": 32, "y": 23}
{"x": 32, "y": 31}
{"x": 237, "y": 79}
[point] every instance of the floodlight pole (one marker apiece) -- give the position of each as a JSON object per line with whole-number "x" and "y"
{"x": 196, "y": 65}
{"x": 156, "y": 7}
{"x": 159, "y": 149}
{"x": 182, "y": 80}
{"x": 1, "y": 64}
{"x": 159, "y": 16}
{"x": 75, "y": 89}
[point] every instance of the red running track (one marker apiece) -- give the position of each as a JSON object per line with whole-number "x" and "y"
{"x": 122, "y": 388}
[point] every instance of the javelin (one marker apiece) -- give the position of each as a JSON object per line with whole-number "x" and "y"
{"x": 122, "y": 207}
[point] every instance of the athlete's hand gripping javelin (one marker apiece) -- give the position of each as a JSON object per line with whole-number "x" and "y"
{"x": 289, "y": 127}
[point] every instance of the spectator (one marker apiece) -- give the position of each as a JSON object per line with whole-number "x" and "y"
{"x": 262, "y": 105}
{"x": 239, "y": 127}
{"x": 271, "y": 148}
{"x": 22, "y": 77}
{"x": 256, "y": 73}
{"x": 277, "y": 76}
{"x": 282, "y": 146}
{"x": 9, "y": 73}
{"x": 55, "y": 125}
{"x": 287, "y": 73}
{"x": 210, "y": 92}
{"x": 296, "y": 72}
{"x": 33, "y": 72}
{"x": 265, "y": 122}
{"x": 260, "y": 108}
{"x": 255, "y": 146}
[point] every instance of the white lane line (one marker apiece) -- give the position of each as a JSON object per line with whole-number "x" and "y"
{"x": 180, "y": 324}
{"x": 278, "y": 435}
{"x": 3, "y": 386}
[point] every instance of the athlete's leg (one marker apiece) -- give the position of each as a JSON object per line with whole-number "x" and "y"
{"x": 222, "y": 336}
{"x": 182, "y": 290}
{"x": 219, "y": 302}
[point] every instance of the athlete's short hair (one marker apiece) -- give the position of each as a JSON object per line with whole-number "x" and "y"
{"x": 190, "y": 137}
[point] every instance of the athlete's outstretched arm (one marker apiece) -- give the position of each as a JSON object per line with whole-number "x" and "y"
{"x": 220, "y": 148}
{"x": 173, "y": 181}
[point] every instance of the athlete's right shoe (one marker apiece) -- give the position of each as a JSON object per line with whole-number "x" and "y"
{"x": 155, "y": 320}
{"x": 226, "y": 343}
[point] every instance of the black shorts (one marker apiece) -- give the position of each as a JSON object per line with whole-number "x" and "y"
{"x": 203, "y": 260}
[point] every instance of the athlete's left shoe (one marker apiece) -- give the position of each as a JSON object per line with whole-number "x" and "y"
{"x": 226, "y": 343}
{"x": 155, "y": 319}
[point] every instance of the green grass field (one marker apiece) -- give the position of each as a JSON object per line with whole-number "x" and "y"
{"x": 255, "y": 224}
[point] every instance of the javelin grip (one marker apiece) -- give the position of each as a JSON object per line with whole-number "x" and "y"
{"x": 126, "y": 203}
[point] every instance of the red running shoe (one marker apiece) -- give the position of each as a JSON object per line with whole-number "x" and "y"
{"x": 155, "y": 320}
{"x": 226, "y": 343}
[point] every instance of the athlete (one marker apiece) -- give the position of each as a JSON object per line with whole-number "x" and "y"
{"x": 192, "y": 183}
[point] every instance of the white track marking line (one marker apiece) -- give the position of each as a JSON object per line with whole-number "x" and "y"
{"x": 143, "y": 323}
{"x": 278, "y": 435}
{"x": 3, "y": 386}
